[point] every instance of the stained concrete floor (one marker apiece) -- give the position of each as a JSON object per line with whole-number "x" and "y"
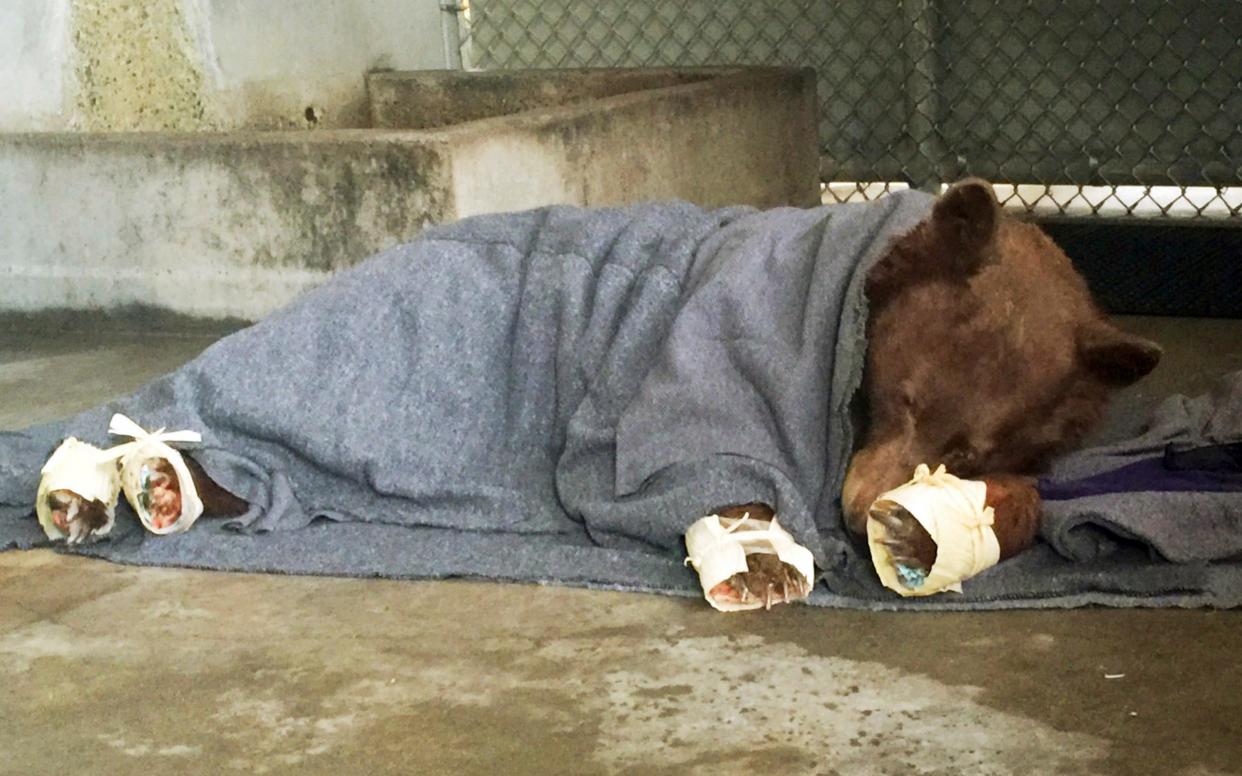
{"x": 118, "y": 670}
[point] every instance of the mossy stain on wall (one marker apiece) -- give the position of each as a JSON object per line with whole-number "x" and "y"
{"x": 135, "y": 68}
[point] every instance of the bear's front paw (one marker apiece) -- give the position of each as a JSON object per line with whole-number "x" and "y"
{"x": 747, "y": 563}
{"x": 931, "y": 534}
{"x": 911, "y": 548}
{"x": 78, "y": 489}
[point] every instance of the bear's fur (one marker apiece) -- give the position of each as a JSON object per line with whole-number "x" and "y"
{"x": 986, "y": 353}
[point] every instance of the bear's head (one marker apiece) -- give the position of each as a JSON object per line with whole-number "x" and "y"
{"x": 986, "y": 351}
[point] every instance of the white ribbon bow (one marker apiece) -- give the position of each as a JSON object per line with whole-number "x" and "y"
{"x": 971, "y": 514}
{"x": 123, "y": 426}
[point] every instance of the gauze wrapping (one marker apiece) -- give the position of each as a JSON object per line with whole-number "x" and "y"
{"x": 954, "y": 513}
{"x": 82, "y": 469}
{"x": 717, "y": 548}
{"x": 146, "y": 446}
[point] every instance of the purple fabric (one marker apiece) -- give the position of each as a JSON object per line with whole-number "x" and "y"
{"x": 1210, "y": 469}
{"x": 1173, "y": 492}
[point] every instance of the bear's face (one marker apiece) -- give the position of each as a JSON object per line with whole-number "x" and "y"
{"x": 986, "y": 352}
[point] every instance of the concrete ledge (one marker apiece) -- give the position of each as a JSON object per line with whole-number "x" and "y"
{"x": 740, "y": 137}
{"x": 129, "y": 321}
{"x": 214, "y": 225}
{"x": 236, "y": 224}
{"x": 434, "y": 98}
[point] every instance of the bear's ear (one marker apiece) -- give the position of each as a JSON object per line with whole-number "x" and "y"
{"x": 1114, "y": 356}
{"x": 966, "y": 217}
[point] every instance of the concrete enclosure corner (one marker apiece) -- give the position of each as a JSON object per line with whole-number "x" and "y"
{"x": 236, "y": 223}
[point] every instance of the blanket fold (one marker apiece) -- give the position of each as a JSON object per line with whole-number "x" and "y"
{"x": 1174, "y": 490}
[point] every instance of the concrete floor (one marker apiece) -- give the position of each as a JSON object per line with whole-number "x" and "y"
{"x": 117, "y": 670}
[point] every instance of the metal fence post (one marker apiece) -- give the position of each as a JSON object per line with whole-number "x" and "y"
{"x": 450, "y": 29}
{"x": 926, "y": 167}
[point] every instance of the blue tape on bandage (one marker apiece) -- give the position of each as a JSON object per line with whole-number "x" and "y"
{"x": 911, "y": 578}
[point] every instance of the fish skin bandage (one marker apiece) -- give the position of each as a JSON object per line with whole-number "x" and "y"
{"x": 717, "y": 548}
{"x": 955, "y": 514}
{"x": 151, "y": 445}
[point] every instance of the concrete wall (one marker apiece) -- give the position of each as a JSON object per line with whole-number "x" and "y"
{"x": 746, "y": 138}
{"x": 228, "y": 225}
{"x": 235, "y": 224}
{"x": 203, "y": 64}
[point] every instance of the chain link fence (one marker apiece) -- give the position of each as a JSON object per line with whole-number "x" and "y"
{"x": 1092, "y": 107}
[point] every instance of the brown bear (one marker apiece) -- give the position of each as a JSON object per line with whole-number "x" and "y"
{"x": 986, "y": 354}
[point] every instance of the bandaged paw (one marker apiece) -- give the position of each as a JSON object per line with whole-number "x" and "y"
{"x": 77, "y": 494}
{"x": 718, "y": 548}
{"x": 155, "y": 479}
{"x": 949, "y": 511}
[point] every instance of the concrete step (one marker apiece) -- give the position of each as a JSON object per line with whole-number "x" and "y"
{"x": 235, "y": 224}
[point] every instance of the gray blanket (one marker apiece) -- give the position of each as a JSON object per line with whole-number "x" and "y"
{"x": 1175, "y": 489}
{"x": 553, "y": 396}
